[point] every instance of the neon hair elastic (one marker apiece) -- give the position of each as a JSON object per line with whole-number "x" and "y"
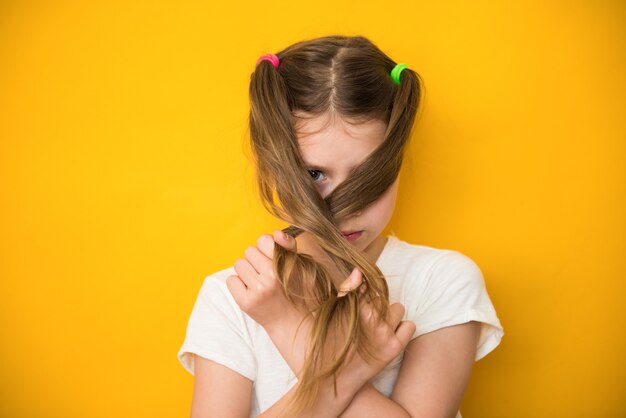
{"x": 269, "y": 57}
{"x": 395, "y": 73}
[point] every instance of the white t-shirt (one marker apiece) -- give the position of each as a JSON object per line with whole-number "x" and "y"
{"x": 438, "y": 288}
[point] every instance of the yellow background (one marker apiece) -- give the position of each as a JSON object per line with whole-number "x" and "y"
{"x": 124, "y": 181}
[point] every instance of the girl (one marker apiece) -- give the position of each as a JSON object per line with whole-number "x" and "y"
{"x": 329, "y": 317}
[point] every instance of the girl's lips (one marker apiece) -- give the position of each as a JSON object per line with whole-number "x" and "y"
{"x": 352, "y": 235}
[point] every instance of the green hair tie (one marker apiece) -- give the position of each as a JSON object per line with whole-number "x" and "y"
{"x": 395, "y": 73}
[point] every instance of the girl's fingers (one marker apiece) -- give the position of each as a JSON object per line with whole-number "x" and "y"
{"x": 265, "y": 244}
{"x": 396, "y": 312}
{"x": 246, "y": 272}
{"x": 285, "y": 240}
{"x": 353, "y": 281}
{"x": 236, "y": 287}
{"x": 405, "y": 331}
{"x": 259, "y": 261}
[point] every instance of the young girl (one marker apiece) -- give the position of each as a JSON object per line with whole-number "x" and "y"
{"x": 330, "y": 317}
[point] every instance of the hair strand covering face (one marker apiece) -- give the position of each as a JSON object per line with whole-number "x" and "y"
{"x": 350, "y": 77}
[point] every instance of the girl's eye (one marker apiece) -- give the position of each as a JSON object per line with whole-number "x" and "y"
{"x": 317, "y": 175}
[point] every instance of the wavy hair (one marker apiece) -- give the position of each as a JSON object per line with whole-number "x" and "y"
{"x": 348, "y": 77}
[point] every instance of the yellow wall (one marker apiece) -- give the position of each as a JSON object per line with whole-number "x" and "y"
{"x": 123, "y": 183}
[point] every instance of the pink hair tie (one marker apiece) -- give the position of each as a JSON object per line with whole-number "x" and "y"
{"x": 269, "y": 57}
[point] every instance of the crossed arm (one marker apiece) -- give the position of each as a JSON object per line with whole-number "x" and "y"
{"x": 431, "y": 382}
{"x": 432, "y": 379}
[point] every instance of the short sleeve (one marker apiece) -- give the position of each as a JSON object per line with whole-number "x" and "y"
{"x": 217, "y": 330}
{"x": 452, "y": 291}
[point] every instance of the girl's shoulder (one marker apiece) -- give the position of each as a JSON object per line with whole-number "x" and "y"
{"x": 215, "y": 291}
{"x": 440, "y": 287}
{"x": 400, "y": 257}
{"x": 422, "y": 270}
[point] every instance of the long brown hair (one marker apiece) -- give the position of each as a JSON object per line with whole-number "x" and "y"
{"x": 350, "y": 77}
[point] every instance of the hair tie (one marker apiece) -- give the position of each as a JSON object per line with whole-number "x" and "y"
{"x": 395, "y": 73}
{"x": 269, "y": 57}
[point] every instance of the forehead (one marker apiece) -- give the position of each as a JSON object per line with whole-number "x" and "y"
{"x": 329, "y": 142}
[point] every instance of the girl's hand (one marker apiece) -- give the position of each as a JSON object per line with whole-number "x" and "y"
{"x": 389, "y": 340}
{"x": 255, "y": 287}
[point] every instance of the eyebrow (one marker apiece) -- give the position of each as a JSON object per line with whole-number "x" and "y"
{"x": 316, "y": 167}
{"x": 324, "y": 169}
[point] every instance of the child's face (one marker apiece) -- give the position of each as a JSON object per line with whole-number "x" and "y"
{"x": 331, "y": 147}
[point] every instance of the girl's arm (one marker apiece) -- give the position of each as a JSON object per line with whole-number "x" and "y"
{"x": 432, "y": 379}
{"x": 433, "y": 375}
{"x": 326, "y": 405}
{"x": 352, "y": 383}
{"x": 222, "y": 392}
{"x": 258, "y": 294}
{"x": 218, "y": 391}
{"x": 435, "y": 371}
{"x": 366, "y": 402}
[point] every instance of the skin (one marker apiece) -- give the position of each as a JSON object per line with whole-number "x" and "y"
{"x": 436, "y": 365}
